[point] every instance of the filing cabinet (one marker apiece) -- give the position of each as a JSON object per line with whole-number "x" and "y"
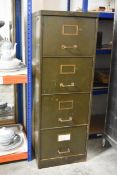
{"x": 64, "y": 46}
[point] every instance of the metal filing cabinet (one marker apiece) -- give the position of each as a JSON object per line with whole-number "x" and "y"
{"x": 64, "y": 46}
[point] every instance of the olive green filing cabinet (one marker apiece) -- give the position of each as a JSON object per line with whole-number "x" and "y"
{"x": 64, "y": 45}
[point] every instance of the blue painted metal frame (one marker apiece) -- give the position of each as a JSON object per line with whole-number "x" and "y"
{"x": 68, "y": 5}
{"x": 85, "y": 6}
{"x": 18, "y": 29}
{"x": 19, "y": 56}
{"x": 29, "y": 67}
{"x": 29, "y": 84}
{"x": 103, "y": 51}
{"x": 100, "y": 91}
{"x": 105, "y": 15}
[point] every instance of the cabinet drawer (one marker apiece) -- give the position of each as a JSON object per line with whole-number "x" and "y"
{"x": 66, "y": 75}
{"x": 64, "y": 142}
{"x": 65, "y": 110}
{"x": 69, "y": 36}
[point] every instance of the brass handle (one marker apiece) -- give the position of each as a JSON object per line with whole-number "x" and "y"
{"x": 64, "y": 152}
{"x": 67, "y": 85}
{"x": 69, "y": 47}
{"x": 62, "y": 121}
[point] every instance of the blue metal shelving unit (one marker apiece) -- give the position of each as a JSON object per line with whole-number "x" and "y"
{"x": 29, "y": 69}
{"x": 102, "y": 15}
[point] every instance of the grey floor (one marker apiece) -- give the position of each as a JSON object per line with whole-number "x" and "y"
{"x": 100, "y": 161}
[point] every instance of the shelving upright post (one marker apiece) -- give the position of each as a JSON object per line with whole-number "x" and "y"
{"x": 29, "y": 67}
{"x": 29, "y": 84}
{"x": 85, "y": 5}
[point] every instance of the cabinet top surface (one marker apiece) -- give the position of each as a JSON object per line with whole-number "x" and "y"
{"x": 66, "y": 13}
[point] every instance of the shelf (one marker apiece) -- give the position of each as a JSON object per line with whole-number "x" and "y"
{"x": 13, "y": 79}
{"x": 7, "y": 121}
{"x": 97, "y": 124}
{"x": 16, "y": 153}
{"x": 100, "y": 90}
{"x": 13, "y": 157}
{"x": 106, "y": 15}
{"x": 100, "y": 85}
{"x": 103, "y": 51}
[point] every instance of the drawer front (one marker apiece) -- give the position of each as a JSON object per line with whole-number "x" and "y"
{"x": 64, "y": 110}
{"x": 66, "y": 75}
{"x": 69, "y": 36}
{"x": 64, "y": 142}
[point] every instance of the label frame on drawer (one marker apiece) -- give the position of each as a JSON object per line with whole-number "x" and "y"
{"x": 70, "y": 34}
{"x": 64, "y": 137}
{"x": 65, "y": 108}
{"x": 62, "y": 72}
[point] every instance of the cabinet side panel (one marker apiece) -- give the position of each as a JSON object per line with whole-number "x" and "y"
{"x": 36, "y": 81}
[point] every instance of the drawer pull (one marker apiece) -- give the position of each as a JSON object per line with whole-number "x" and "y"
{"x": 62, "y": 121}
{"x": 67, "y": 85}
{"x": 64, "y": 152}
{"x": 69, "y": 47}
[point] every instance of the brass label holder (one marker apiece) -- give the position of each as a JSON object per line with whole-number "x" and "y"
{"x": 69, "y": 105}
{"x": 65, "y": 66}
{"x": 75, "y": 27}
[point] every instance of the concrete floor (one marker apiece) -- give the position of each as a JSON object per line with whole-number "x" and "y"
{"x": 100, "y": 161}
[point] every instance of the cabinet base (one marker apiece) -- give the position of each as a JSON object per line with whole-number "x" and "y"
{"x": 61, "y": 161}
